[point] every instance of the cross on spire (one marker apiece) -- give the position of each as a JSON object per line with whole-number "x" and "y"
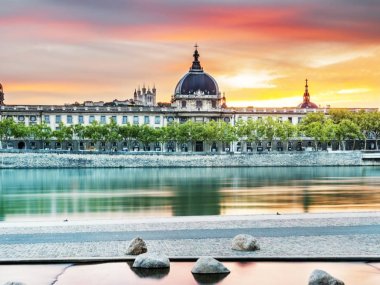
{"x": 196, "y": 64}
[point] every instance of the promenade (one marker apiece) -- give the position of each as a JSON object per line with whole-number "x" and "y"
{"x": 305, "y": 236}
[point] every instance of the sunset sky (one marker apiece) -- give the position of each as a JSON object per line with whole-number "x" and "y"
{"x": 259, "y": 51}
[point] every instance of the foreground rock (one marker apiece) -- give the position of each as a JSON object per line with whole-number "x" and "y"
{"x": 245, "y": 243}
{"x": 320, "y": 277}
{"x": 137, "y": 246}
{"x": 209, "y": 265}
{"x": 149, "y": 260}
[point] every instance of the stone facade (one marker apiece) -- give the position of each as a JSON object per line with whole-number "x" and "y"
{"x": 130, "y": 160}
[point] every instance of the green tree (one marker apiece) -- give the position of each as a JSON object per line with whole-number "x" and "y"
{"x": 6, "y": 127}
{"x": 347, "y": 129}
{"x": 285, "y": 131}
{"x": 41, "y": 132}
{"x": 63, "y": 133}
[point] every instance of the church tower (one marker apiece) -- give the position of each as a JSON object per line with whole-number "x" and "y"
{"x": 1, "y": 95}
{"x": 307, "y": 104}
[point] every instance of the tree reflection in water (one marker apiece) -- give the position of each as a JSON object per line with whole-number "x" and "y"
{"x": 55, "y": 194}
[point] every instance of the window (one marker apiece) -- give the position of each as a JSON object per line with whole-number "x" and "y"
{"x": 290, "y": 119}
{"x": 157, "y": 120}
{"x": 92, "y": 118}
{"x": 199, "y": 104}
{"x": 47, "y": 119}
{"x": 299, "y": 119}
{"x": 213, "y": 104}
{"x": 80, "y": 119}
{"x": 135, "y": 120}
{"x": 114, "y": 118}
{"x": 58, "y": 119}
{"x": 125, "y": 120}
{"x": 69, "y": 119}
{"x": 146, "y": 120}
{"x": 183, "y": 104}
{"x": 21, "y": 118}
{"x": 33, "y": 118}
{"x": 102, "y": 119}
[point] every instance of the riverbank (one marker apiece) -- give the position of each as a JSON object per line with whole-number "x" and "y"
{"x": 293, "y": 236}
{"x": 139, "y": 160}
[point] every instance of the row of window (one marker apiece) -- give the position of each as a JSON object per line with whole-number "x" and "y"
{"x": 198, "y": 104}
{"x": 103, "y": 119}
{"x": 290, "y": 119}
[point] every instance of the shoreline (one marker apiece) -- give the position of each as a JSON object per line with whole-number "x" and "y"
{"x": 328, "y": 236}
{"x": 29, "y": 160}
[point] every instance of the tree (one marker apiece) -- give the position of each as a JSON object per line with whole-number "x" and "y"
{"x": 41, "y": 132}
{"x": 93, "y": 132}
{"x": 226, "y": 133}
{"x": 6, "y": 127}
{"x": 78, "y": 131}
{"x": 63, "y": 133}
{"x": 347, "y": 129}
{"x": 285, "y": 131}
{"x": 146, "y": 135}
{"x": 210, "y": 132}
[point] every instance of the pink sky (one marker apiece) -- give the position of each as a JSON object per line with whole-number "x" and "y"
{"x": 260, "y": 52}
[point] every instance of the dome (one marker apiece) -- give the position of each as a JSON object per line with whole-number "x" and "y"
{"x": 308, "y": 105}
{"x": 196, "y": 81}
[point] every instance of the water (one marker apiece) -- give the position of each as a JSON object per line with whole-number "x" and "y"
{"x": 242, "y": 273}
{"x": 57, "y": 194}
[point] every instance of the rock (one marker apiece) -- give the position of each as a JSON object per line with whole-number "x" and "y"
{"x": 245, "y": 242}
{"x": 320, "y": 277}
{"x": 136, "y": 246}
{"x": 207, "y": 264}
{"x": 147, "y": 260}
{"x": 209, "y": 278}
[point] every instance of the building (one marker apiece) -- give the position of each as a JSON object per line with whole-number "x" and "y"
{"x": 196, "y": 97}
{"x": 307, "y": 104}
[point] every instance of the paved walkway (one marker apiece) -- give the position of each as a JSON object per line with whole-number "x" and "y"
{"x": 306, "y": 235}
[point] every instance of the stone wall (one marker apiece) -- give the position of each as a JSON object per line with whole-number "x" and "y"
{"x": 132, "y": 160}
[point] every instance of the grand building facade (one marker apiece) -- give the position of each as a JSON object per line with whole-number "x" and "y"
{"x": 196, "y": 97}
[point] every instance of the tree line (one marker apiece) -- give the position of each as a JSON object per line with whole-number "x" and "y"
{"x": 338, "y": 126}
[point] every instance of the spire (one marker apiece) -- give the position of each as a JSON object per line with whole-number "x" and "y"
{"x": 1, "y": 95}
{"x": 196, "y": 64}
{"x": 306, "y": 95}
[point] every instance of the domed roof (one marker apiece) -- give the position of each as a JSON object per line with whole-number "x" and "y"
{"x": 196, "y": 81}
{"x": 307, "y": 104}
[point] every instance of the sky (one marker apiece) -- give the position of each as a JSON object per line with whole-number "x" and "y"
{"x": 259, "y": 51}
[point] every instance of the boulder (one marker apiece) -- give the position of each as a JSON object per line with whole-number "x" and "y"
{"x": 147, "y": 260}
{"x": 320, "y": 277}
{"x": 136, "y": 246}
{"x": 207, "y": 265}
{"x": 245, "y": 242}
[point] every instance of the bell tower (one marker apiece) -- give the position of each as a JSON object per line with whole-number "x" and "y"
{"x": 1, "y": 95}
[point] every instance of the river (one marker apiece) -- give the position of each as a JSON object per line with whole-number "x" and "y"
{"x": 82, "y": 194}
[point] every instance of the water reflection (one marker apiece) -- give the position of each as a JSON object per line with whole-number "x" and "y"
{"x": 153, "y": 273}
{"x": 209, "y": 278}
{"x": 118, "y": 193}
{"x": 264, "y": 273}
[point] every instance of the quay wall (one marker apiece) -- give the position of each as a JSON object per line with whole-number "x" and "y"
{"x": 136, "y": 160}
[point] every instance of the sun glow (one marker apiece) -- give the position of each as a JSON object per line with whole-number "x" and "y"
{"x": 249, "y": 80}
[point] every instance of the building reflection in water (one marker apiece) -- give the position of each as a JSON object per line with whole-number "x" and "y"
{"x": 55, "y": 194}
